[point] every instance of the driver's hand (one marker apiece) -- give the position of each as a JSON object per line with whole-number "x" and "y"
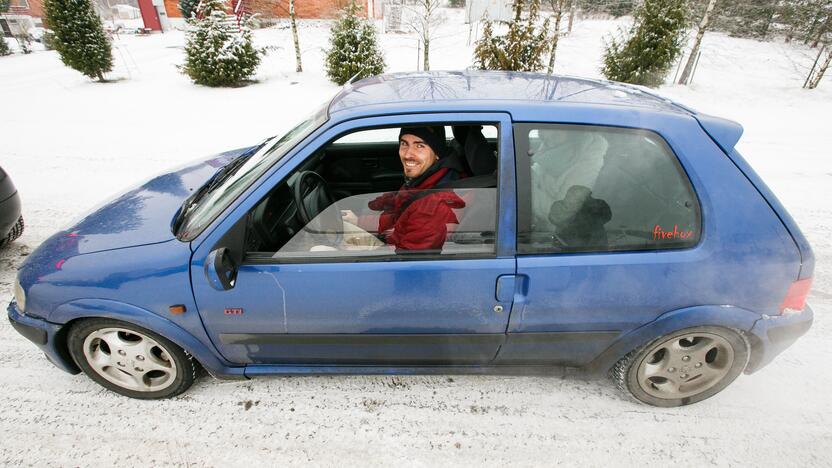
{"x": 349, "y": 217}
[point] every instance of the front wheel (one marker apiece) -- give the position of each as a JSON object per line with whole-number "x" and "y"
{"x": 683, "y": 367}
{"x": 130, "y": 360}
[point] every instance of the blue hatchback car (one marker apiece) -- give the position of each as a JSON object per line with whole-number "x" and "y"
{"x": 587, "y": 224}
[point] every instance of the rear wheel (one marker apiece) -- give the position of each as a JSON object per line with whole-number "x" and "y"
{"x": 683, "y": 367}
{"x": 130, "y": 360}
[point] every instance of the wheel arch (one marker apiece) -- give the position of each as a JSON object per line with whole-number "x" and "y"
{"x": 711, "y": 315}
{"x": 71, "y": 313}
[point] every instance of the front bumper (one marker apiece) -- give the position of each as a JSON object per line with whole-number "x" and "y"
{"x": 45, "y": 335}
{"x": 771, "y": 336}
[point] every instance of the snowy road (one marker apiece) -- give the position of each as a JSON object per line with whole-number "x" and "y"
{"x": 69, "y": 144}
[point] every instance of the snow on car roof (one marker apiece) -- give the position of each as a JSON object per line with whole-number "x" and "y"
{"x": 484, "y": 86}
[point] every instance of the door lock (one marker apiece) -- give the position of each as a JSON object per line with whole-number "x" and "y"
{"x": 498, "y": 308}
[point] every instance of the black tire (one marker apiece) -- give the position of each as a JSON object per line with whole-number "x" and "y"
{"x": 126, "y": 351}
{"x": 657, "y": 375}
{"x": 14, "y": 233}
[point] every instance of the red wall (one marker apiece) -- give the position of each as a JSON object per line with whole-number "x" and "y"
{"x": 280, "y": 8}
{"x": 149, "y": 15}
{"x": 35, "y": 8}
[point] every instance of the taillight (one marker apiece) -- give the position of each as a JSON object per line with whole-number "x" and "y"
{"x": 795, "y": 299}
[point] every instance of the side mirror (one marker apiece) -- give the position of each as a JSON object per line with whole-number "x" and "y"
{"x": 220, "y": 269}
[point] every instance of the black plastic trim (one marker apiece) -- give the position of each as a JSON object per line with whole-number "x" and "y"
{"x": 35, "y": 335}
{"x": 361, "y": 339}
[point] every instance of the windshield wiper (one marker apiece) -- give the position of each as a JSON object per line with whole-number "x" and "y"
{"x": 217, "y": 179}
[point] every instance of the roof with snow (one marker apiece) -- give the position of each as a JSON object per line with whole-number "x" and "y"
{"x": 484, "y": 86}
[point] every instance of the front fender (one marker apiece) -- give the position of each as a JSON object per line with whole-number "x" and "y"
{"x": 102, "y": 308}
{"x": 712, "y": 315}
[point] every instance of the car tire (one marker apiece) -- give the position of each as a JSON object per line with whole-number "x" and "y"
{"x": 14, "y": 233}
{"x": 683, "y": 367}
{"x": 130, "y": 360}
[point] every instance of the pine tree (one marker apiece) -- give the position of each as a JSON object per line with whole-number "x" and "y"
{"x": 646, "y": 52}
{"x": 4, "y": 48}
{"x": 521, "y": 48}
{"x": 354, "y": 49}
{"x": 747, "y": 18}
{"x": 79, "y": 36}
{"x": 614, "y": 8}
{"x": 216, "y": 54}
{"x": 188, "y": 7}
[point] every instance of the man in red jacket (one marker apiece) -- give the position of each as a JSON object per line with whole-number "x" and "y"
{"x": 417, "y": 216}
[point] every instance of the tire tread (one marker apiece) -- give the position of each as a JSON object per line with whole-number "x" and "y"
{"x": 190, "y": 366}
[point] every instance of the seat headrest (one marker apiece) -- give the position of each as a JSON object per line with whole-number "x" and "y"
{"x": 478, "y": 153}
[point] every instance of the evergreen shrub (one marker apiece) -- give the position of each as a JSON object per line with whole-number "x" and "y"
{"x": 522, "y": 48}
{"x": 48, "y": 40}
{"x": 188, "y": 8}
{"x": 4, "y": 48}
{"x": 353, "y": 48}
{"x": 216, "y": 52}
{"x": 648, "y": 50}
{"x": 79, "y": 36}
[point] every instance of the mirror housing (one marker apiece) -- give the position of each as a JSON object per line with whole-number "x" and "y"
{"x": 221, "y": 269}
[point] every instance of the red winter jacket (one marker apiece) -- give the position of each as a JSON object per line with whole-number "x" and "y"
{"x": 417, "y": 218}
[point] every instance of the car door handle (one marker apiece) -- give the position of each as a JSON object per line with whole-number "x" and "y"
{"x": 511, "y": 288}
{"x": 505, "y": 288}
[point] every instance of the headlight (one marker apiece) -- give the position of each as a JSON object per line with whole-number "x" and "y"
{"x": 19, "y": 295}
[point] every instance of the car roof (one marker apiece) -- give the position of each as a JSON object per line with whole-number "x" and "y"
{"x": 479, "y": 87}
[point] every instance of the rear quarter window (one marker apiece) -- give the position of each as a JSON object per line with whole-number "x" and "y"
{"x": 601, "y": 189}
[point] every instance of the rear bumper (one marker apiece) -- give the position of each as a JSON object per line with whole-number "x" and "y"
{"x": 45, "y": 335}
{"x": 772, "y": 335}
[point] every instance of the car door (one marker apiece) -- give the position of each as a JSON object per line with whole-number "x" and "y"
{"x": 320, "y": 307}
{"x": 608, "y": 239}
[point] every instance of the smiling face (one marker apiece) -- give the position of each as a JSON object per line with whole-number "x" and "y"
{"x": 416, "y": 155}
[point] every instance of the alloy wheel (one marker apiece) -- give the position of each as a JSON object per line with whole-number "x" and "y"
{"x": 130, "y": 359}
{"x": 685, "y": 365}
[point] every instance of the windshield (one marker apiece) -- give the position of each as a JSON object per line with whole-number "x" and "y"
{"x": 199, "y": 215}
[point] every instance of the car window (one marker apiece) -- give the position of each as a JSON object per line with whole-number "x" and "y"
{"x": 464, "y": 223}
{"x": 597, "y": 189}
{"x": 347, "y": 200}
{"x": 215, "y": 201}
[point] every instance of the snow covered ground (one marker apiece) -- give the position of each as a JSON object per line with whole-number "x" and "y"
{"x": 69, "y": 143}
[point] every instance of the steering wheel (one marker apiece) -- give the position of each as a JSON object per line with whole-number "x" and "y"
{"x": 312, "y": 196}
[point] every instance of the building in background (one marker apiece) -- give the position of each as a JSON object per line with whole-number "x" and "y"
{"x": 22, "y": 17}
{"x": 308, "y": 9}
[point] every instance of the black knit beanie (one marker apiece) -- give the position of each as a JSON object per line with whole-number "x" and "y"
{"x": 432, "y": 136}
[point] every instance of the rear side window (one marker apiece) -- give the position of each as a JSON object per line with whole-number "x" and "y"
{"x": 601, "y": 189}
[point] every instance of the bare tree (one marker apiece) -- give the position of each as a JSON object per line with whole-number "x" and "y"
{"x": 299, "y": 67}
{"x": 573, "y": 7}
{"x": 425, "y": 20}
{"x": 703, "y": 25}
{"x": 812, "y": 81}
{"x": 821, "y": 12}
{"x": 557, "y": 9}
{"x": 823, "y": 30}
